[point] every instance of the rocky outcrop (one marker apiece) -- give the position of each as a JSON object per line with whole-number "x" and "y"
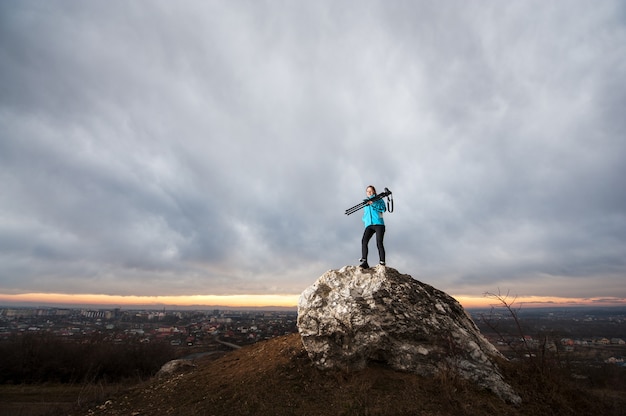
{"x": 352, "y": 316}
{"x": 175, "y": 367}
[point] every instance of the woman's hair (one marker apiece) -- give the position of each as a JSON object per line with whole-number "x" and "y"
{"x": 371, "y": 186}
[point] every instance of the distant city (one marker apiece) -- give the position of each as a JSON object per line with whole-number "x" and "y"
{"x": 178, "y": 327}
{"x": 193, "y": 331}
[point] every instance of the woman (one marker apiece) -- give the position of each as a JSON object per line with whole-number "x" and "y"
{"x": 374, "y": 224}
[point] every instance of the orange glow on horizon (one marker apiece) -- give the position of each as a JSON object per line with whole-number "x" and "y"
{"x": 538, "y": 302}
{"x": 279, "y": 300}
{"x": 117, "y": 300}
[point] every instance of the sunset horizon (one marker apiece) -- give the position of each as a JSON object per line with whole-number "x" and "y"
{"x": 267, "y": 301}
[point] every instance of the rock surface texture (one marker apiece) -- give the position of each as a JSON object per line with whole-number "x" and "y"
{"x": 352, "y": 316}
{"x": 175, "y": 366}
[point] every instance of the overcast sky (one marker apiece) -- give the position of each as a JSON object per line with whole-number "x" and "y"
{"x": 211, "y": 147}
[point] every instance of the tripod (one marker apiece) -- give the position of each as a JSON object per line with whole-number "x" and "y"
{"x": 382, "y": 195}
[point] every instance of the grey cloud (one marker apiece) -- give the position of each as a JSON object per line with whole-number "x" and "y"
{"x": 212, "y": 147}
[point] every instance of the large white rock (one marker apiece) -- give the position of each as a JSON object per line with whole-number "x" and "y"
{"x": 174, "y": 367}
{"x": 350, "y": 317}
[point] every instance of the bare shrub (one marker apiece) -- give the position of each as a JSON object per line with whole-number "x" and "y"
{"x": 40, "y": 358}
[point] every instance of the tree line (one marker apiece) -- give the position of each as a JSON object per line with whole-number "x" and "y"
{"x": 42, "y": 357}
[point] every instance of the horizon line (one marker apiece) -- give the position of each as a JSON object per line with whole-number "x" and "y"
{"x": 279, "y": 301}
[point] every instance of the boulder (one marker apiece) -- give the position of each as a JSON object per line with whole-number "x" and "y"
{"x": 352, "y": 317}
{"x": 174, "y": 367}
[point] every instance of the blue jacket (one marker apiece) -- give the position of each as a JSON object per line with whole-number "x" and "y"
{"x": 373, "y": 214}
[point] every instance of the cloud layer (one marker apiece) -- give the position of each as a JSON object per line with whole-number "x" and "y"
{"x": 211, "y": 147}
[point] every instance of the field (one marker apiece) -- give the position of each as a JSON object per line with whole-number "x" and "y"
{"x": 275, "y": 377}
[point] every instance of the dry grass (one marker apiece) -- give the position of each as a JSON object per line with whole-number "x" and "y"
{"x": 52, "y": 399}
{"x": 276, "y": 377}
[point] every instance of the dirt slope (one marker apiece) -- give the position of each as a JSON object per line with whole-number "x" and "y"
{"x": 276, "y": 377}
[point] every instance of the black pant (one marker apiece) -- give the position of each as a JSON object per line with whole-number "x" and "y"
{"x": 367, "y": 235}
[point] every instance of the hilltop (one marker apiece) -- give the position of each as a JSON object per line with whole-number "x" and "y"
{"x": 276, "y": 377}
{"x": 370, "y": 342}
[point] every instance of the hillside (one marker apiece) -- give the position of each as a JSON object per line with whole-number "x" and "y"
{"x": 276, "y": 377}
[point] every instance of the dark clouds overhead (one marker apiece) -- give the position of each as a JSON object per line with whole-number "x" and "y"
{"x": 187, "y": 148}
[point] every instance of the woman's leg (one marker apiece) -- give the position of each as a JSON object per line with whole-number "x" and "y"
{"x": 380, "y": 235}
{"x": 367, "y": 235}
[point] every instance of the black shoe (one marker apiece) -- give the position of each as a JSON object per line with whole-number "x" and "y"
{"x": 382, "y": 263}
{"x": 364, "y": 264}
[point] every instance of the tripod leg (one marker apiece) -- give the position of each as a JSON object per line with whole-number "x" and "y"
{"x": 355, "y": 208}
